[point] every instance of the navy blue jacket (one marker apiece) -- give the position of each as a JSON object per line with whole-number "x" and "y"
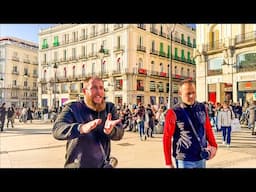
{"x": 83, "y": 150}
{"x": 186, "y": 145}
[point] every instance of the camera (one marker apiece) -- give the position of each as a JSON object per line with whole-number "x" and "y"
{"x": 112, "y": 163}
{"x": 205, "y": 154}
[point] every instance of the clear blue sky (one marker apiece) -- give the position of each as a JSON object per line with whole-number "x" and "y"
{"x": 27, "y": 32}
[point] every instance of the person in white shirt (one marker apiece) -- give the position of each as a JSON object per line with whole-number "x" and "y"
{"x": 224, "y": 121}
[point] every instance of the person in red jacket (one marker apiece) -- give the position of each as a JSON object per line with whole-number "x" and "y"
{"x": 188, "y": 139}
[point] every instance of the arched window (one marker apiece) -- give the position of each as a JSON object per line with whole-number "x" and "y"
{"x": 140, "y": 64}
{"x": 161, "y": 67}
{"x": 65, "y": 72}
{"x": 188, "y": 72}
{"x": 74, "y": 71}
{"x": 175, "y": 70}
{"x": 118, "y": 64}
{"x": 83, "y": 70}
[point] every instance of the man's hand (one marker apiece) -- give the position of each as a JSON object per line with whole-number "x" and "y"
{"x": 87, "y": 127}
{"x": 110, "y": 124}
{"x": 213, "y": 151}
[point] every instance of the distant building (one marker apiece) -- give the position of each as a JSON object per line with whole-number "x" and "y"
{"x": 226, "y": 62}
{"x": 18, "y": 72}
{"x": 134, "y": 66}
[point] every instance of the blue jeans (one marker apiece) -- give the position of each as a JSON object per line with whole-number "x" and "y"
{"x": 191, "y": 164}
{"x": 141, "y": 128}
{"x": 226, "y": 134}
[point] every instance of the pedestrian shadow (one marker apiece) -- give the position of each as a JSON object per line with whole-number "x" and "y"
{"x": 20, "y": 132}
{"x": 31, "y": 149}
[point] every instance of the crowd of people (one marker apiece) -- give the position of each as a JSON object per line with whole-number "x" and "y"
{"x": 90, "y": 124}
{"x": 8, "y": 115}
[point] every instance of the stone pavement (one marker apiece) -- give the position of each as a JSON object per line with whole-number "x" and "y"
{"x": 32, "y": 146}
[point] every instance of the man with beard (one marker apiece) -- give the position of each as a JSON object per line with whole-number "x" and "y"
{"x": 88, "y": 126}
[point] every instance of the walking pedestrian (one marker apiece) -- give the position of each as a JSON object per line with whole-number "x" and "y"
{"x": 188, "y": 135}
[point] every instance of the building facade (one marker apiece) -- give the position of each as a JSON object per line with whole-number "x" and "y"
{"x": 134, "y": 61}
{"x": 18, "y": 72}
{"x": 226, "y": 62}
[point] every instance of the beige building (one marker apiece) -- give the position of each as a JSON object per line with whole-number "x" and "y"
{"x": 226, "y": 62}
{"x": 18, "y": 72}
{"x": 134, "y": 62}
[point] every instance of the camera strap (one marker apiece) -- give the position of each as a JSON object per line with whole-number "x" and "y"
{"x": 193, "y": 128}
{"x": 103, "y": 152}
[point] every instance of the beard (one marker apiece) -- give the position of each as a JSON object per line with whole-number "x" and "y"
{"x": 94, "y": 106}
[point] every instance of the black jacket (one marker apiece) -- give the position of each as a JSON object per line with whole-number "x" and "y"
{"x": 83, "y": 150}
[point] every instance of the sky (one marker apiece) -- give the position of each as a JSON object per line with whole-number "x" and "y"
{"x": 27, "y": 32}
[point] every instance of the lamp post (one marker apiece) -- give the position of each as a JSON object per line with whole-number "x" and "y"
{"x": 229, "y": 61}
{"x": 1, "y": 90}
{"x": 101, "y": 55}
{"x": 55, "y": 88}
{"x": 26, "y": 77}
{"x": 170, "y": 95}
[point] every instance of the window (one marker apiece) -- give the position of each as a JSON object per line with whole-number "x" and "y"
{"x": 161, "y": 67}
{"x": 74, "y": 71}
{"x": 182, "y": 55}
{"x": 25, "y": 71}
{"x": 247, "y": 60}
{"x": 45, "y": 44}
{"x": 140, "y": 85}
{"x": 119, "y": 84}
{"x": 64, "y": 54}
{"x": 152, "y": 86}
{"x": 169, "y": 51}
{"x": 104, "y": 67}
{"x": 152, "y": 66}
{"x": 175, "y": 70}
{"x": 188, "y": 72}
{"x": 14, "y": 82}
{"x": 56, "y": 41}
{"x": 176, "y": 53}
{"x": 55, "y": 56}
{"x": 83, "y": 51}
{"x": 73, "y": 53}
{"x": 15, "y": 69}
{"x": 93, "y": 68}
{"x": 215, "y": 64}
{"x": 34, "y": 72}
{"x": 153, "y": 45}
{"x": 83, "y": 70}
{"x": 118, "y": 65}
{"x": 182, "y": 71}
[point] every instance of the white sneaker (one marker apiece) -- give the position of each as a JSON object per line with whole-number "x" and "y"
{"x": 228, "y": 145}
{"x": 223, "y": 142}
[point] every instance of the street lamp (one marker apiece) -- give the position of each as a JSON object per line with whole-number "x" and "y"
{"x": 26, "y": 78}
{"x": 55, "y": 88}
{"x": 101, "y": 55}
{"x": 1, "y": 90}
{"x": 229, "y": 61}
{"x": 170, "y": 96}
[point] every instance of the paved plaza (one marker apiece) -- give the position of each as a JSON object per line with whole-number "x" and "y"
{"x": 32, "y": 146}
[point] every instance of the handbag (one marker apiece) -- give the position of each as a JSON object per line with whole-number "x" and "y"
{"x": 235, "y": 125}
{"x": 108, "y": 163}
